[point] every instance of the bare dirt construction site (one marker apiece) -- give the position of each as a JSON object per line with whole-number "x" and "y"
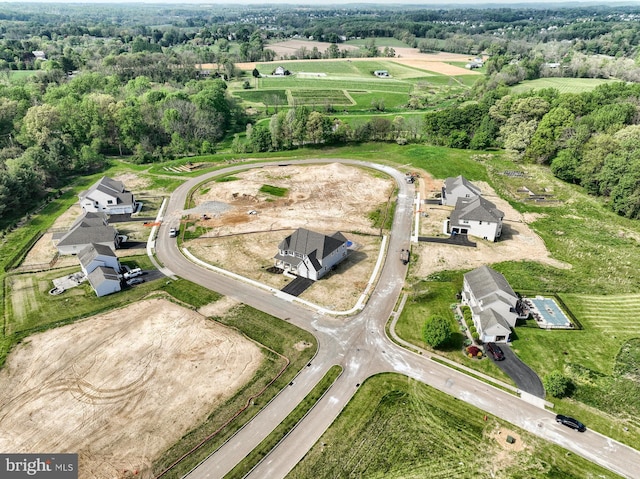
{"x": 518, "y": 240}
{"x": 120, "y": 388}
{"x": 325, "y": 199}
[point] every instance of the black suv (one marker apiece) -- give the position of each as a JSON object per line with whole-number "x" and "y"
{"x": 494, "y": 350}
{"x": 571, "y": 422}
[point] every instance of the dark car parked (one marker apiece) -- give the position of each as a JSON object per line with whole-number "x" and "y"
{"x": 494, "y": 350}
{"x": 571, "y": 422}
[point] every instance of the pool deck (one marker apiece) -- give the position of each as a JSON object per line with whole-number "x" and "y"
{"x": 547, "y": 313}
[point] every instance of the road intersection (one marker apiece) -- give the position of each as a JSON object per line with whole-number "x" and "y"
{"x": 361, "y": 346}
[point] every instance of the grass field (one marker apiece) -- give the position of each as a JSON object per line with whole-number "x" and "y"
{"x": 564, "y": 85}
{"x": 397, "y": 428}
{"x": 314, "y": 97}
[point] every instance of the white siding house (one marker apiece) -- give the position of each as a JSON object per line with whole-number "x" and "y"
{"x": 104, "y": 280}
{"x": 108, "y": 196}
{"x": 495, "y": 307}
{"x": 89, "y": 228}
{"x": 475, "y": 217}
{"x": 309, "y": 254}
{"x": 96, "y": 255}
{"x": 458, "y": 187}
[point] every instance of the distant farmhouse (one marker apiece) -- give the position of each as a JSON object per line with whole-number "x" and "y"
{"x": 495, "y": 307}
{"x": 107, "y": 196}
{"x": 101, "y": 266}
{"x": 458, "y": 187}
{"x": 89, "y": 228}
{"x": 39, "y": 54}
{"x": 309, "y": 254}
{"x": 381, "y": 73}
{"x": 476, "y": 217}
{"x": 475, "y": 63}
{"x": 281, "y": 71}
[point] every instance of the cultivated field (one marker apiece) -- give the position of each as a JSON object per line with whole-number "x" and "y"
{"x": 122, "y": 387}
{"x": 563, "y": 85}
{"x": 325, "y": 198}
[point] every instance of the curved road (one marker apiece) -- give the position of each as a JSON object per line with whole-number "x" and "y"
{"x": 360, "y": 345}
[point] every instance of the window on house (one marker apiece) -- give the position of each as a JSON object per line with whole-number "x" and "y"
{"x": 109, "y": 202}
{"x": 479, "y": 222}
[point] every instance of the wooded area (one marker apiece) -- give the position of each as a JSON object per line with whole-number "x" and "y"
{"x": 80, "y": 85}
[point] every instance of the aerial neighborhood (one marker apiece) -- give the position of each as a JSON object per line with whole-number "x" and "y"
{"x": 319, "y": 241}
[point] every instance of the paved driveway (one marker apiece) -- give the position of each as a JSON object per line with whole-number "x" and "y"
{"x": 524, "y": 377}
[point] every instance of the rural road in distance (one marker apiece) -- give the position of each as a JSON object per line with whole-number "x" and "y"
{"x": 360, "y": 345}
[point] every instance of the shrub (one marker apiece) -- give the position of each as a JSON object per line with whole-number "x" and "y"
{"x": 557, "y": 384}
{"x": 473, "y": 329}
{"x": 436, "y": 331}
{"x": 475, "y": 335}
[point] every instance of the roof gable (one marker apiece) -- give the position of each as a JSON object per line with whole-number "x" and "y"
{"x": 306, "y": 242}
{"x": 92, "y": 251}
{"x": 477, "y": 209}
{"x": 485, "y": 281}
{"x": 460, "y": 181}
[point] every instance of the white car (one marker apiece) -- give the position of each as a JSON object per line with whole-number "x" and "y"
{"x": 133, "y": 281}
{"x": 173, "y": 232}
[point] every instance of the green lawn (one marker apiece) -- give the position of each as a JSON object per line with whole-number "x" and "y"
{"x": 564, "y": 85}
{"x": 395, "y": 427}
{"x": 319, "y": 97}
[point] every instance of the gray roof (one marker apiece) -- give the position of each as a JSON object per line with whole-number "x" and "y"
{"x": 491, "y": 320}
{"x": 89, "y": 228}
{"x": 477, "y": 209}
{"x": 485, "y": 282}
{"x": 112, "y": 188}
{"x": 452, "y": 183}
{"x": 91, "y": 252}
{"x": 101, "y": 274}
{"x": 312, "y": 244}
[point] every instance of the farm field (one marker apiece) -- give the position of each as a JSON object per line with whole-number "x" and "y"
{"x": 563, "y": 85}
{"x": 395, "y": 427}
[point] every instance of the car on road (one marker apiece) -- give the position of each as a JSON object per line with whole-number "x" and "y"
{"x": 571, "y": 422}
{"x": 133, "y": 281}
{"x": 173, "y": 232}
{"x": 494, "y": 350}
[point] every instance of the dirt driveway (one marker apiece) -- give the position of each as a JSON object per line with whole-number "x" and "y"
{"x": 121, "y": 387}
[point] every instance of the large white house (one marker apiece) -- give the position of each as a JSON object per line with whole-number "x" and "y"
{"x": 458, "y": 187}
{"x": 309, "y": 254}
{"x": 475, "y": 217}
{"x": 89, "y": 228}
{"x": 495, "y": 307}
{"x": 107, "y": 196}
{"x": 104, "y": 281}
{"x": 95, "y": 255}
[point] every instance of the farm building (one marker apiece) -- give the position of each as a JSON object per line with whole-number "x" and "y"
{"x": 89, "y": 228}
{"x": 475, "y": 217}
{"x": 495, "y": 307}
{"x": 96, "y": 255}
{"x": 309, "y": 254}
{"x": 104, "y": 280}
{"x": 458, "y": 187}
{"x": 280, "y": 71}
{"x": 381, "y": 73}
{"x": 108, "y": 196}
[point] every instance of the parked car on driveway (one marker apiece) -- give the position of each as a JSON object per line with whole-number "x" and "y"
{"x": 571, "y": 422}
{"x": 133, "y": 281}
{"x": 494, "y": 350}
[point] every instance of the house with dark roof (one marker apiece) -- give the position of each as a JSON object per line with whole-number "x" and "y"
{"x": 495, "y": 307}
{"x": 310, "y": 254}
{"x": 476, "y": 217}
{"x": 89, "y": 228}
{"x": 458, "y": 187}
{"x": 96, "y": 255}
{"x": 109, "y": 196}
{"x": 104, "y": 280}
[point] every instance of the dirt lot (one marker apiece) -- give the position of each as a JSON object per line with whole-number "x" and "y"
{"x": 518, "y": 241}
{"x": 120, "y": 388}
{"x": 435, "y": 62}
{"x": 325, "y": 198}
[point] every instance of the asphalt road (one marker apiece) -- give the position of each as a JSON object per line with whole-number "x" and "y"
{"x": 360, "y": 345}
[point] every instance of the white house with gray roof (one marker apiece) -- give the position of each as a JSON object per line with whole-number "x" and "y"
{"x": 96, "y": 255}
{"x": 89, "y": 228}
{"x": 475, "y": 217}
{"x": 104, "y": 280}
{"x": 458, "y": 187}
{"x": 109, "y": 196}
{"x": 495, "y": 307}
{"x": 309, "y": 254}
